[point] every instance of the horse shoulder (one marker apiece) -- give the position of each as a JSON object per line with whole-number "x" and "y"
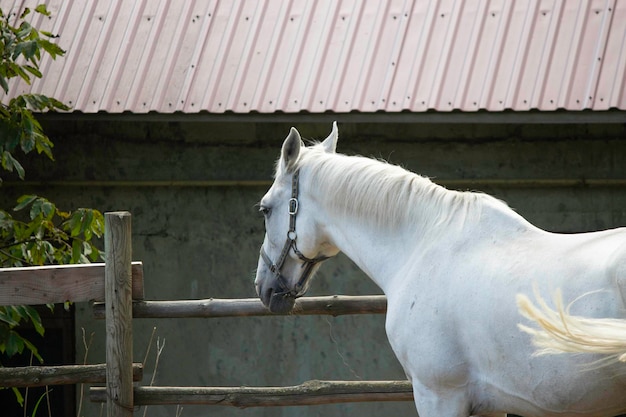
{"x": 423, "y": 339}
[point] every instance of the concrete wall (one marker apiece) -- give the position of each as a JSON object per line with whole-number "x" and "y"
{"x": 202, "y": 241}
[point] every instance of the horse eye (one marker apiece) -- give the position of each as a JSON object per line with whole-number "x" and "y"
{"x": 265, "y": 210}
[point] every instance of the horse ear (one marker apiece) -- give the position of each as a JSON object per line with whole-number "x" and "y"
{"x": 330, "y": 143}
{"x": 291, "y": 149}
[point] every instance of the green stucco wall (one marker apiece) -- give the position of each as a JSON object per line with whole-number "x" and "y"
{"x": 199, "y": 238}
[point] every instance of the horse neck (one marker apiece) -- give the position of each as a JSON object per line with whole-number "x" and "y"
{"x": 441, "y": 218}
{"x": 381, "y": 250}
{"x": 375, "y": 252}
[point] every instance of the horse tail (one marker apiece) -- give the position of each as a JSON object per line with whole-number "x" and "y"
{"x": 561, "y": 332}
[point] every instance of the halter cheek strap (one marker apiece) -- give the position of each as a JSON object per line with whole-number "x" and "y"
{"x": 290, "y": 243}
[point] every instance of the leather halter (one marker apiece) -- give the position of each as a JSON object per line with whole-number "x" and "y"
{"x": 290, "y": 243}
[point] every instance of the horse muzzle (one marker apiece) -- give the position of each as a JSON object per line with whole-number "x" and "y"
{"x": 281, "y": 303}
{"x": 275, "y": 297}
{"x": 278, "y": 296}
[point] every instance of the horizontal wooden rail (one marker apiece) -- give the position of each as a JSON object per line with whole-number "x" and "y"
{"x": 38, "y": 376}
{"x": 308, "y": 393}
{"x": 334, "y": 305}
{"x": 59, "y": 283}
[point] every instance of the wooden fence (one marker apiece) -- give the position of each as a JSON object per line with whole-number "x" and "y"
{"x": 117, "y": 288}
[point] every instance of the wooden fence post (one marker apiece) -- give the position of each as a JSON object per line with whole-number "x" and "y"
{"x": 118, "y": 315}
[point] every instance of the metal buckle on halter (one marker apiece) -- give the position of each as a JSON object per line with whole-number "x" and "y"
{"x": 293, "y": 206}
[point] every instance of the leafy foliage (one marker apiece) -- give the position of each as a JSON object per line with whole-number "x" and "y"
{"x": 45, "y": 235}
{"x": 21, "y": 50}
{"x": 36, "y": 232}
{"x": 42, "y": 234}
{"x": 48, "y": 235}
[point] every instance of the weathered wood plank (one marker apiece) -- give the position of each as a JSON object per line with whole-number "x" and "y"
{"x": 59, "y": 283}
{"x": 38, "y": 376}
{"x": 308, "y": 393}
{"x": 334, "y": 305}
{"x": 119, "y": 314}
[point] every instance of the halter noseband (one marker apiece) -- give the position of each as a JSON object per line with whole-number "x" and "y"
{"x": 290, "y": 243}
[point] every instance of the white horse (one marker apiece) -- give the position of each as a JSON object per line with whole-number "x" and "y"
{"x": 450, "y": 264}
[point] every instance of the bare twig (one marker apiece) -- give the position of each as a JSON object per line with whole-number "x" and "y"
{"x": 82, "y": 386}
{"x": 48, "y": 401}
{"x": 159, "y": 350}
{"x": 145, "y": 358}
{"x": 30, "y": 363}
{"x": 156, "y": 360}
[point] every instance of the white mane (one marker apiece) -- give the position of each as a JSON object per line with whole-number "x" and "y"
{"x": 387, "y": 194}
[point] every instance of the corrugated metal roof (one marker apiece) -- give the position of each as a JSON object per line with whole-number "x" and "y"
{"x": 326, "y": 55}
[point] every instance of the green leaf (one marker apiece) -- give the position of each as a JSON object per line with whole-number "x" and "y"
{"x": 36, "y": 208}
{"x": 19, "y": 312}
{"x": 25, "y": 13}
{"x": 87, "y": 221}
{"x": 35, "y": 319}
{"x": 51, "y": 48}
{"x": 75, "y": 224}
{"x": 4, "y": 84}
{"x": 76, "y": 251}
{"x": 56, "y": 104}
{"x": 10, "y": 134}
{"x": 14, "y": 344}
{"x": 4, "y": 328}
{"x": 18, "y": 396}
{"x": 16, "y": 106}
{"x": 44, "y": 146}
{"x": 24, "y": 201}
{"x": 20, "y": 169}
{"x": 32, "y": 348}
{"x": 9, "y": 163}
{"x": 28, "y": 49}
{"x": 48, "y": 209}
{"x": 42, "y": 9}
{"x": 94, "y": 255}
{"x": 29, "y": 231}
{"x": 17, "y": 71}
{"x": 7, "y": 318}
{"x": 25, "y": 28}
{"x": 35, "y": 101}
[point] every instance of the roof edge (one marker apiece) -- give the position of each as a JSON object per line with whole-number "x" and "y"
{"x": 478, "y": 117}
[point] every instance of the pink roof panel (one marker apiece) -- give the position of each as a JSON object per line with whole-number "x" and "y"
{"x": 295, "y": 56}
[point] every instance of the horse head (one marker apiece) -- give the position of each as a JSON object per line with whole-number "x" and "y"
{"x": 294, "y": 243}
